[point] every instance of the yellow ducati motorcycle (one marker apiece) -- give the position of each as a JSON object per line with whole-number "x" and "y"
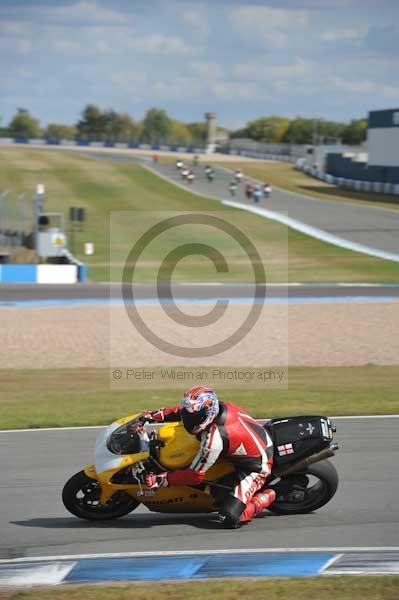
{"x": 302, "y": 477}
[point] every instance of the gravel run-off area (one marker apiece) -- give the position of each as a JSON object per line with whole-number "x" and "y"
{"x": 310, "y": 334}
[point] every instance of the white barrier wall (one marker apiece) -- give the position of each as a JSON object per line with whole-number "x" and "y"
{"x": 57, "y": 274}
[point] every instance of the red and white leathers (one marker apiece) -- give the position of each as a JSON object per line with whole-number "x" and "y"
{"x": 235, "y": 435}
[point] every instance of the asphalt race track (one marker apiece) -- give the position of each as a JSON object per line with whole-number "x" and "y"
{"x": 371, "y": 226}
{"x": 364, "y": 512}
{"x": 10, "y": 293}
{"x": 35, "y": 465}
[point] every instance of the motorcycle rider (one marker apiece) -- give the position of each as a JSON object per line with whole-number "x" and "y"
{"x": 225, "y": 430}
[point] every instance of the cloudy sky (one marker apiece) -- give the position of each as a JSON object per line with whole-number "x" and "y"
{"x": 242, "y": 59}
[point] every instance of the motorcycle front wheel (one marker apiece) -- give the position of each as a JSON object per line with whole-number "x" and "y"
{"x": 81, "y": 497}
{"x": 306, "y": 491}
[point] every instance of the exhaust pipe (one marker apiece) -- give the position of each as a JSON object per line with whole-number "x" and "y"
{"x": 302, "y": 464}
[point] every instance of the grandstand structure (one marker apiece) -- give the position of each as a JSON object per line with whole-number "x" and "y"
{"x": 380, "y": 163}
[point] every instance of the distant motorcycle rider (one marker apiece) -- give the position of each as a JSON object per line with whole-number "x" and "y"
{"x": 224, "y": 430}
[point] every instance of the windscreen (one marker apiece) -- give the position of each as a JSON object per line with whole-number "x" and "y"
{"x": 129, "y": 438}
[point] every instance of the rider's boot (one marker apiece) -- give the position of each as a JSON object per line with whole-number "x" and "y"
{"x": 259, "y": 502}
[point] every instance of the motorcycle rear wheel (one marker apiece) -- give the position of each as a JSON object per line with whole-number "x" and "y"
{"x": 81, "y": 498}
{"x": 305, "y": 491}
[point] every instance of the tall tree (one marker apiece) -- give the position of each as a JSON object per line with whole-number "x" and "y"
{"x": 301, "y": 131}
{"x": 355, "y": 133}
{"x": 180, "y": 134}
{"x": 91, "y": 125}
{"x": 156, "y": 126}
{"x": 120, "y": 127}
{"x": 198, "y": 131}
{"x": 58, "y": 131}
{"x": 268, "y": 129}
{"x": 239, "y": 133}
{"x": 3, "y": 130}
{"x": 24, "y": 125}
{"x": 329, "y": 129}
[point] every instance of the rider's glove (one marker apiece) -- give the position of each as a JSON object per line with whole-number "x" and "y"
{"x": 154, "y": 481}
{"x": 154, "y": 415}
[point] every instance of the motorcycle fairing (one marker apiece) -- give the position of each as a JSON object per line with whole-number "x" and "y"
{"x": 178, "y": 452}
{"x": 180, "y": 447}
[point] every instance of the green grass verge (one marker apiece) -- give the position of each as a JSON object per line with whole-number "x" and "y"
{"x": 103, "y": 186}
{"x": 285, "y": 176}
{"x": 52, "y": 398}
{"x": 327, "y": 588}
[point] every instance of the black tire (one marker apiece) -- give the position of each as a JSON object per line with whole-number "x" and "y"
{"x": 81, "y": 497}
{"x": 314, "y": 496}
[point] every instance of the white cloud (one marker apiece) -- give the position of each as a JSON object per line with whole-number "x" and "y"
{"x": 236, "y": 90}
{"x": 86, "y": 13}
{"x": 350, "y": 34}
{"x": 128, "y": 79}
{"x": 274, "y": 27}
{"x": 89, "y": 39}
{"x": 14, "y": 28}
{"x": 256, "y": 18}
{"x": 299, "y": 77}
{"x": 15, "y": 38}
{"x": 195, "y": 17}
{"x": 390, "y": 91}
{"x": 128, "y": 54}
{"x": 86, "y": 45}
{"x": 383, "y": 39}
{"x": 276, "y": 39}
{"x": 18, "y": 46}
{"x": 67, "y": 46}
{"x": 182, "y": 88}
{"x": 23, "y": 73}
{"x": 157, "y": 88}
{"x": 207, "y": 70}
{"x": 162, "y": 44}
{"x": 23, "y": 47}
{"x": 23, "y": 37}
{"x": 363, "y": 86}
{"x": 254, "y": 71}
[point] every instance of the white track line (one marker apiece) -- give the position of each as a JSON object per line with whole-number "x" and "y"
{"x": 154, "y": 553}
{"x": 365, "y": 571}
{"x": 314, "y": 232}
{"x": 358, "y": 203}
{"x": 309, "y": 230}
{"x": 366, "y": 417}
{"x": 102, "y": 426}
{"x": 53, "y": 428}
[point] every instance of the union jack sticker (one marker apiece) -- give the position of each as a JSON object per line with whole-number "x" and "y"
{"x": 285, "y": 449}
